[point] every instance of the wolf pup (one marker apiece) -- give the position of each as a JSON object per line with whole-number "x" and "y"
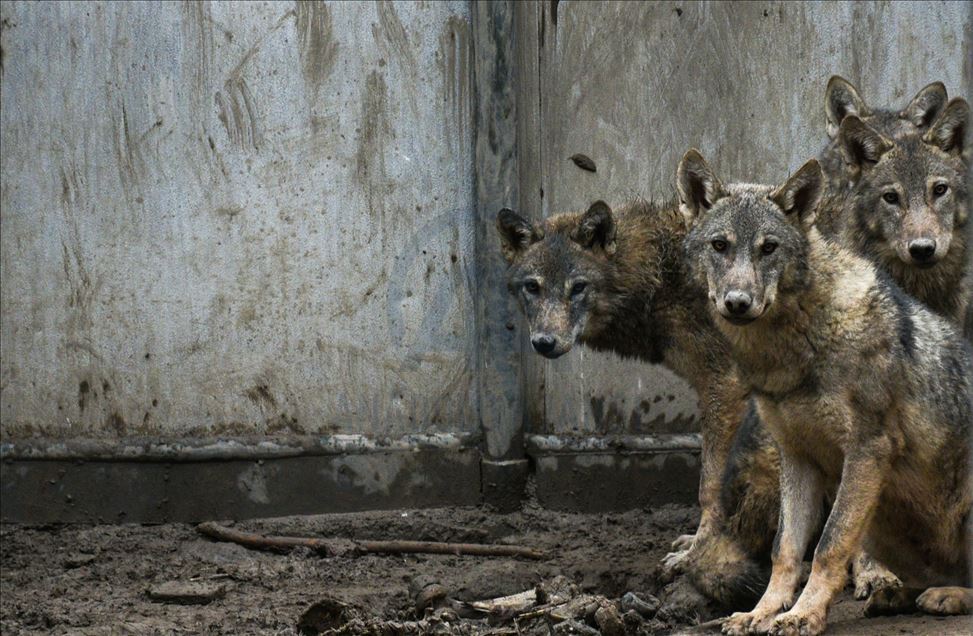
{"x": 618, "y": 281}
{"x": 868, "y": 394}
{"x": 898, "y": 192}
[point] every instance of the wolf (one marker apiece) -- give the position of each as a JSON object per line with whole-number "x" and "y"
{"x": 617, "y": 281}
{"x": 842, "y": 99}
{"x": 898, "y": 192}
{"x": 867, "y": 393}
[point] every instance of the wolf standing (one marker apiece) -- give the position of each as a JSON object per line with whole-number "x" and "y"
{"x": 867, "y": 393}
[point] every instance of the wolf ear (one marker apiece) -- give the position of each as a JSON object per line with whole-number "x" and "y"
{"x": 926, "y": 105}
{"x": 861, "y": 145}
{"x": 699, "y": 189}
{"x": 841, "y": 99}
{"x": 516, "y": 233}
{"x": 949, "y": 132}
{"x": 596, "y": 227}
{"x": 800, "y": 195}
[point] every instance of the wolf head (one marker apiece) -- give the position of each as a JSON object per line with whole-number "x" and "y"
{"x": 560, "y": 272}
{"x": 908, "y": 194}
{"x": 842, "y": 99}
{"x": 748, "y": 241}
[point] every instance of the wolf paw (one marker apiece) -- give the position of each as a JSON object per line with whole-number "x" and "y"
{"x": 741, "y": 623}
{"x": 889, "y": 601}
{"x": 946, "y": 601}
{"x": 673, "y": 564}
{"x": 794, "y": 623}
{"x": 683, "y": 542}
{"x": 875, "y": 577}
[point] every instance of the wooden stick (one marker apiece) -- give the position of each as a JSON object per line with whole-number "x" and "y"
{"x": 330, "y": 547}
{"x": 709, "y": 627}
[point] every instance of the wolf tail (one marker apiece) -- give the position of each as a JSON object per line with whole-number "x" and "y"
{"x": 722, "y": 571}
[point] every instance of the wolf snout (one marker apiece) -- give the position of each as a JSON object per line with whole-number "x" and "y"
{"x": 923, "y": 250}
{"x": 544, "y": 344}
{"x": 738, "y": 303}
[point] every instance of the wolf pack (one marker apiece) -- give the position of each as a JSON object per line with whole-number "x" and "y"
{"x": 826, "y": 326}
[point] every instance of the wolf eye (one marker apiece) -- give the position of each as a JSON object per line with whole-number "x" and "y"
{"x": 719, "y": 245}
{"x": 768, "y": 247}
{"x": 891, "y": 197}
{"x": 532, "y": 287}
{"x": 577, "y": 288}
{"x": 940, "y": 189}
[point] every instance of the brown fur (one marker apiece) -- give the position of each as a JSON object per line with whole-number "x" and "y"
{"x": 639, "y": 302}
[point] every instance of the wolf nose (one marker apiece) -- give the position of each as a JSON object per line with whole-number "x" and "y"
{"x": 543, "y": 344}
{"x": 922, "y": 249}
{"x": 737, "y": 302}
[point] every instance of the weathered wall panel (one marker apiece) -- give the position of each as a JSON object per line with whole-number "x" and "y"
{"x": 236, "y": 218}
{"x": 634, "y": 85}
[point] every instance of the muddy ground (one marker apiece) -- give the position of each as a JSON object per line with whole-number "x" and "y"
{"x": 95, "y": 579}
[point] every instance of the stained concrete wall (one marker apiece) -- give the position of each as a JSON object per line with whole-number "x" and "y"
{"x": 634, "y": 85}
{"x": 236, "y": 218}
{"x": 242, "y": 219}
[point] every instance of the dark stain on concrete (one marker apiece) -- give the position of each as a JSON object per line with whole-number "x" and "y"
{"x": 260, "y": 395}
{"x": 390, "y": 31}
{"x": 453, "y": 59}
{"x": 117, "y": 423}
{"x": 317, "y": 46}
{"x": 610, "y": 417}
{"x": 237, "y": 111}
{"x": 375, "y": 133}
{"x": 83, "y": 389}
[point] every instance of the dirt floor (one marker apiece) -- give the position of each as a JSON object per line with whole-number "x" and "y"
{"x": 99, "y": 579}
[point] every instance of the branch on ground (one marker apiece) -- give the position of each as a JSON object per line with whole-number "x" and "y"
{"x": 332, "y": 547}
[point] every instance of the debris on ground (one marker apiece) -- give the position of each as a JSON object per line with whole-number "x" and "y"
{"x": 93, "y": 578}
{"x": 186, "y": 592}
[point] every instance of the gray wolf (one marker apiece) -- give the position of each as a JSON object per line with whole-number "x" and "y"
{"x": 867, "y": 393}
{"x": 898, "y": 192}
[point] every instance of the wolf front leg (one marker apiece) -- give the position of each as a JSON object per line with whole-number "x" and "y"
{"x": 862, "y": 476}
{"x": 723, "y": 402}
{"x": 802, "y": 497}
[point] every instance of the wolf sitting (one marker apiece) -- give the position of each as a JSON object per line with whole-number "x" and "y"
{"x": 617, "y": 281}
{"x": 867, "y": 393}
{"x": 898, "y": 192}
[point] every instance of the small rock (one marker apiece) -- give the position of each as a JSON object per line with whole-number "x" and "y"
{"x": 647, "y": 608}
{"x": 186, "y": 592}
{"x": 609, "y": 620}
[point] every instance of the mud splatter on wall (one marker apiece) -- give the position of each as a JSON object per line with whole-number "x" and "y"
{"x": 226, "y": 222}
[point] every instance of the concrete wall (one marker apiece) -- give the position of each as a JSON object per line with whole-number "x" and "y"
{"x": 236, "y": 218}
{"x": 634, "y": 85}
